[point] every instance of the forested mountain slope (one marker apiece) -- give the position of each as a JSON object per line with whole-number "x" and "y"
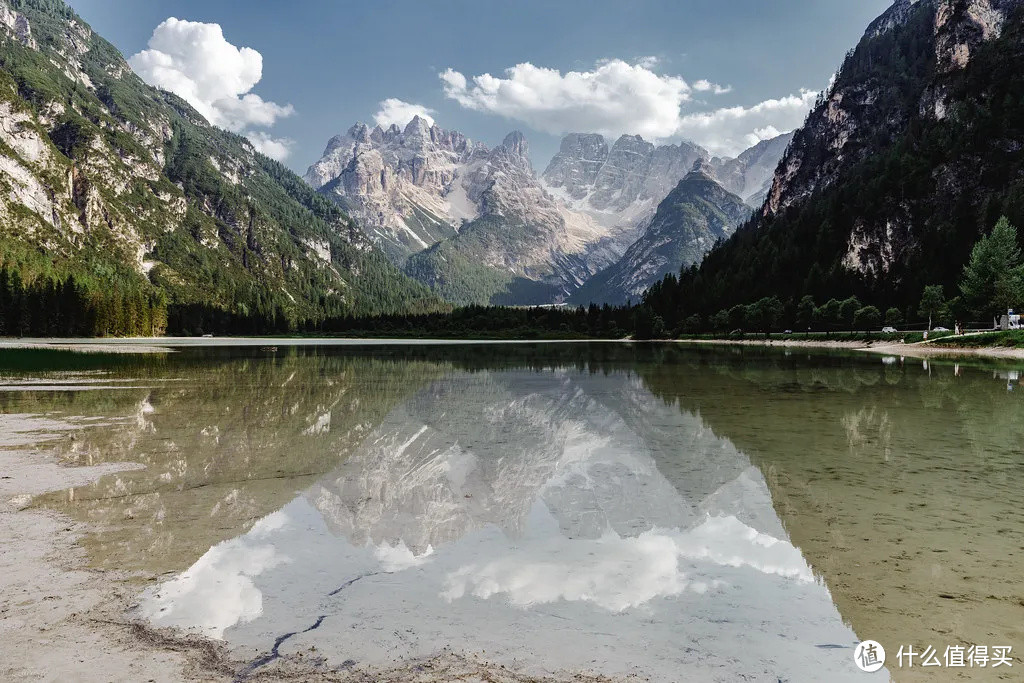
{"x": 123, "y": 211}
{"x": 913, "y": 153}
{"x": 697, "y": 214}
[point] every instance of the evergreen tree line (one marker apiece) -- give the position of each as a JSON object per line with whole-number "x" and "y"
{"x": 47, "y": 307}
{"x": 991, "y": 283}
{"x": 506, "y": 322}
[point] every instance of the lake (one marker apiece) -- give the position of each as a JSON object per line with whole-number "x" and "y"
{"x": 646, "y": 511}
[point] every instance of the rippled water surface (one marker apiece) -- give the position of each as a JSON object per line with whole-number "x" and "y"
{"x": 663, "y": 512}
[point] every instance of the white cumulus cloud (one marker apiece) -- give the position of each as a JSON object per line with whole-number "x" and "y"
{"x": 617, "y": 97}
{"x": 614, "y": 98}
{"x": 730, "y": 130}
{"x": 194, "y": 61}
{"x": 395, "y": 111}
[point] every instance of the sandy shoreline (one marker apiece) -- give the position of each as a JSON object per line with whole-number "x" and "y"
{"x": 782, "y": 343}
{"x": 942, "y": 351}
{"x": 917, "y": 350}
{"x": 56, "y": 619}
{"x": 172, "y": 344}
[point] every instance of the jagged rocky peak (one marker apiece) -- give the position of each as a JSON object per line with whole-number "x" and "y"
{"x": 630, "y": 178}
{"x": 417, "y": 126}
{"x": 360, "y": 132}
{"x": 397, "y": 146}
{"x": 703, "y": 167}
{"x": 414, "y": 186}
{"x": 515, "y": 143}
{"x": 750, "y": 174}
{"x": 515, "y": 152}
{"x": 576, "y": 165}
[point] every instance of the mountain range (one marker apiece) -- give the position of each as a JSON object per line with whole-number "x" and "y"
{"x": 478, "y": 225}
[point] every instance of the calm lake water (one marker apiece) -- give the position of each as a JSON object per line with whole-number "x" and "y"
{"x": 671, "y": 513}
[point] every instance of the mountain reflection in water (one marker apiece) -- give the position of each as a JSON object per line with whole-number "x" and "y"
{"x": 524, "y": 515}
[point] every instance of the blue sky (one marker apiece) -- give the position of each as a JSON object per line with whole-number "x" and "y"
{"x": 721, "y": 73}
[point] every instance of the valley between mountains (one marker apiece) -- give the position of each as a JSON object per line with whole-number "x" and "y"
{"x": 480, "y": 226}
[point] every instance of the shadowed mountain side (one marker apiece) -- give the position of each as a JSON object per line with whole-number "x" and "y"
{"x": 695, "y": 216}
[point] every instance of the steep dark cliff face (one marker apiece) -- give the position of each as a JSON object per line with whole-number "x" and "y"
{"x": 910, "y": 156}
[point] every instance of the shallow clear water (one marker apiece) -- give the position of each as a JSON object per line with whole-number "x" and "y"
{"x": 673, "y": 513}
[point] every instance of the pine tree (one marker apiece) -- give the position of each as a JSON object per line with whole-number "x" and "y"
{"x": 993, "y": 279}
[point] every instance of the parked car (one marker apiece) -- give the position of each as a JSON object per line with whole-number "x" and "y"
{"x": 889, "y": 330}
{"x": 940, "y": 329}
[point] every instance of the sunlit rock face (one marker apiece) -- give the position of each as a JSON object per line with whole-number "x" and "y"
{"x": 568, "y": 515}
{"x": 407, "y": 188}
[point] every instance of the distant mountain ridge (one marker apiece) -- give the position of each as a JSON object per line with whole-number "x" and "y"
{"x": 750, "y": 175}
{"x": 479, "y": 226}
{"x": 694, "y": 216}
